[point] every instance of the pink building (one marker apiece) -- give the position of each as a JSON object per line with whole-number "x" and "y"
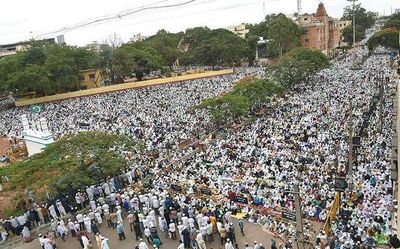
{"x": 322, "y": 32}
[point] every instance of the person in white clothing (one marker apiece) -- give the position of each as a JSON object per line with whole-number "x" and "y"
{"x": 98, "y": 217}
{"x": 105, "y": 243}
{"x": 61, "y": 208}
{"x": 142, "y": 245}
{"x": 53, "y": 213}
{"x": 87, "y": 222}
{"x": 200, "y": 241}
{"x": 85, "y": 242}
{"x": 228, "y": 244}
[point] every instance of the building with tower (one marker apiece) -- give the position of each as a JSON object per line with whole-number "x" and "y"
{"x": 322, "y": 32}
{"x": 37, "y": 135}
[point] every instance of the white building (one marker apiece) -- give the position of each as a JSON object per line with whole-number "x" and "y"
{"x": 37, "y": 135}
{"x": 239, "y": 30}
{"x": 137, "y": 37}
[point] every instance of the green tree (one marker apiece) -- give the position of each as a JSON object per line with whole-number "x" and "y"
{"x": 166, "y": 44}
{"x": 128, "y": 61}
{"x": 283, "y": 35}
{"x": 213, "y": 47}
{"x": 284, "y": 32}
{"x": 388, "y": 37}
{"x": 45, "y": 68}
{"x": 364, "y": 18}
{"x": 295, "y": 66}
{"x": 70, "y": 163}
{"x": 247, "y": 95}
{"x": 393, "y": 22}
{"x": 348, "y": 34}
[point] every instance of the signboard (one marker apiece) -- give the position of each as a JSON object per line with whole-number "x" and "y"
{"x": 289, "y": 216}
{"x": 176, "y": 188}
{"x": 206, "y": 191}
{"x": 340, "y": 184}
{"x": 356, "y": 141}
{"x": 241, "y": 199}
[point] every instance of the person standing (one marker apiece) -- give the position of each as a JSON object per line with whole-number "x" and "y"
{"x": 172, "y": 230}
{"x": 94, "y": 227}
{"x": 241, "y": 226}
{"x": 200, "y": 240}
{"x": 61, "y": 208}
{"x": 142, "y": 245}
{"x": 71, "y": 227}
{"x": 138, "y": 230}
{"x": 186, "y": 237}
{"x": 228, "y": 244}
{"x": 105, "y": 243}
{"x": 61, "y": 230}
{"x": 130, "y": 220}
{"x": 222, "y": 233}
{"x": 87, "y": 222}
{"x": 26, "y": 234}
{"x": 273, "y": 244}
{"x": 85, "y": 241}
{"x": 79, "y": 219}
{"x": 120, "y": 231}
{"x": 147, "y": 234}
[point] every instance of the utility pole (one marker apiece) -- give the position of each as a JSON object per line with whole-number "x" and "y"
{"x": 382, "y": 102}
{"x": 299, "y": 220}
{"x": 354, "y": 22}
{"x": 350, "y": 155}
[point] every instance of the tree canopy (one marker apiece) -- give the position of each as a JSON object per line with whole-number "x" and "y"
{"x": 295, "y": 66}
{"x": 70, "y": 163}
{"x": 250, "y": 94}
{"x": 283, "y": 34}
{"x": 388, "y": 36}
{"x": 131, "y": 60}
{"x": 365, "y": 19}
{"x": 45, "y": 68}
{"x": 348, "y": 34}
{"x": 212, "y": 47}
{"x": 247, "y": 94}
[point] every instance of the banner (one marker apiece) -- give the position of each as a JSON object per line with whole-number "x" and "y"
{"x": 241, "y": 199}
{"x": 332, "y": 214}
{"x": 206, "y": 191}
{"x": 289, "y": 216}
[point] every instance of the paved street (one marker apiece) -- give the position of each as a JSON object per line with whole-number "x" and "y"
{"x": 252, "y": 232}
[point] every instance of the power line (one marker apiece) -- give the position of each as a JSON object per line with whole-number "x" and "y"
{"x": 191, "y": 13}
{"x": 118, "y": 16}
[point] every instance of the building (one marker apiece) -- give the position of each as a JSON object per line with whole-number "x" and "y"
{"x": 94, "y": 46}
{"x": 137, "y": 37}
{"x": 322, "y": 32}
{"x": 239, "y": 30}
{"x": 37, "y": 135}
{"x": 90, "y": 78}
{"x": 11, "y": 49}
{"x": 60, "y": 39}
{"x": 341, "y": 25}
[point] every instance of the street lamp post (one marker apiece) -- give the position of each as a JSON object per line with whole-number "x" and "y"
{"x": 354, "y": 22}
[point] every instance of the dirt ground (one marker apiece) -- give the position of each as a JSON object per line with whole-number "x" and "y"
{"x": 4, "y": 146}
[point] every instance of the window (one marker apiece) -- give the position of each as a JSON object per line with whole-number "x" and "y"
{"x": 81, "y": 77}
{"x": 306, "y": 40}
{"x": 92, "y": 76}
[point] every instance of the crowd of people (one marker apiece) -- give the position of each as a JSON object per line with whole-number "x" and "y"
{"x": 250, "y": 168}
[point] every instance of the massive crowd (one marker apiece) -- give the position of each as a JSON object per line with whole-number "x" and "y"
{"x": 249, "y": 169}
